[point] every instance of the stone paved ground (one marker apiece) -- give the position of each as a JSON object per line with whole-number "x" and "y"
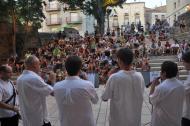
{"x": 101, "y": 110}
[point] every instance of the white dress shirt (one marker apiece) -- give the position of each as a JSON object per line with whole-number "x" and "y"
{"x": 167, "y": 101}
{"x": 74, "y": 97}
{"x": 32, "y": 92}
{"x": 125, "y": 89}
{"x": 186, "y": 113}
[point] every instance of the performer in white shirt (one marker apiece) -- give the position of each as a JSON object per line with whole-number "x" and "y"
{"x": 32, "y": 92}
{"x": 74, "y": 96}
{"x": 167, "y": 97}
{"x": 8, "y": 98}
{"x": 186, "y": 115}
{"x": 125, "y": 90}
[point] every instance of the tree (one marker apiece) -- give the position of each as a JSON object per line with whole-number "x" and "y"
{"x": 22, "y": 13}
{"x": 31, "y": 12}
{"x": 30, "y": 16}
{"x": 96, "y": 8}
{"x": 3, "y": 10}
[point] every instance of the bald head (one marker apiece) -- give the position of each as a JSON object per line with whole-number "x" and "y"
{"x": 5, "y": 72}
{"x": 32, "y": 63}
{"x": 5, "y": 68}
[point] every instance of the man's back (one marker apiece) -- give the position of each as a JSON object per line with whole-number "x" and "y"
{"x": 125, "y": 89}
{"x": 74, "y": 97}
{"x": 168, "y": 103}
{"x": 32, "y": 93}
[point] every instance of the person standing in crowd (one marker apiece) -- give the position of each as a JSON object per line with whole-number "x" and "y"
{"x": 186, "y": 116}
{"x": 74, "y": 96}
{"x": 125, "y": 89}
{"x": 8, "y": 109}
{"x": 32, "y": 92}
{"x": 167, "y": 97}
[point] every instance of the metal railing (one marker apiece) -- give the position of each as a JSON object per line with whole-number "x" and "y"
{"x": 70, "y": 21}
{"x": 53, "y": 21}
{"x": 53, "y": 7}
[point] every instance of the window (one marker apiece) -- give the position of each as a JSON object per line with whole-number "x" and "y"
{"x": 115, "y": 20}
{"x": 137, "y": 18}
{"x": 54, "y": 18}
{"x": 175, "y": 5}
{"x": 126, "y": 18}
{"x": 162, "y": 17}
{"x": 74, "y": 17}
{"x": 156, "y": 16}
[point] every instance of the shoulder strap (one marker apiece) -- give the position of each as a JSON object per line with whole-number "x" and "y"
{"x": 13, "y": 96}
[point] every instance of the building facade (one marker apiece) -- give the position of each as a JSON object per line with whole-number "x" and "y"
{"x": 58, "y": 17}
{"x": 175, "y": 8}
{"x": 128, "y": 14}
{"x": 156, "y": 13}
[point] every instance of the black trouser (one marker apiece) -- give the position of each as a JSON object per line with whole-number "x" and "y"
{"x": 185, "y": 122}
{"x": 10, "y": 121}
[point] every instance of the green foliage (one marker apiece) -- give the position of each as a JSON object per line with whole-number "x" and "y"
{"x": 31, "y": 11}
{"x": 6, "y": 8}
{"x": 25, "y": 11}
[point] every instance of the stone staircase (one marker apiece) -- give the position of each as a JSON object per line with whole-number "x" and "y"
{"x": 182, "y": 36}
{"x": 156, "y": 61}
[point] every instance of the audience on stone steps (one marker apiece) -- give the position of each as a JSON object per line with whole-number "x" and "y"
{"x": 99, "y": 55}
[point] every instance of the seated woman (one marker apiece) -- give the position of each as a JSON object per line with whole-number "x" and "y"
{"x": 167, "y": 48}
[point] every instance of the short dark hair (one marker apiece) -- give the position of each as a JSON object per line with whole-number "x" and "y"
{"x": 125, "y": 55}
{"x": 3, "y": 68}
{"x": 186, "y": 57}
{"x": 73, "y": 65}
{"x": 170, "y": 68}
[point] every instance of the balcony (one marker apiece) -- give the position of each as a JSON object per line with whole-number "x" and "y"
{"x": 53, "y": 7}
{"x": 78, "y": 20}
{"x": 53, "y": 21}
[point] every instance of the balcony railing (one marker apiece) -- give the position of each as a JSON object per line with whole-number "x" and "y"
{"x": 53, "y": 7}
{"x": 70, "y": 21}
{"x": 53, "y": 21}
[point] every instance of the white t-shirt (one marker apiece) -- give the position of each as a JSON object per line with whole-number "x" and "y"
{"x": 125, "y": 90}
{"x": 6, "y": 91}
